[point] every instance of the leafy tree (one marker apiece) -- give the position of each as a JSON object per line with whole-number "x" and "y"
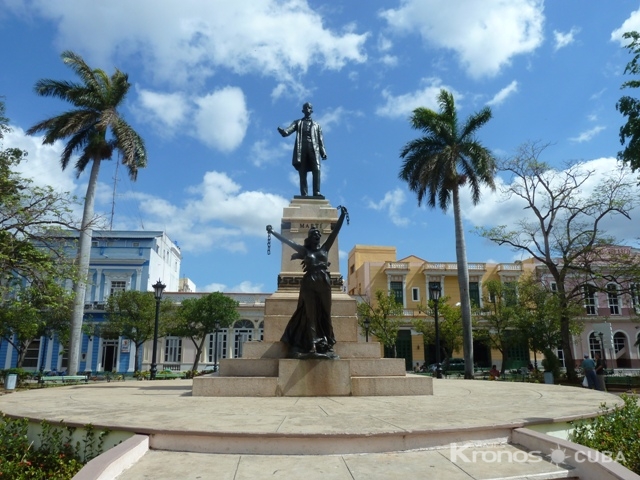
{"x": 33, "y": 311}
{"x": 198, "y": 317}
{"x": 86, "y": 127}
{"x": 30, "y": 220}
{"x": 630, "y": 107}
{"x": 564, "y": 232}
{"x": 499, "y": 319}
{"x": 131, "y": 314}
{"x": 449, "y": 326}
{"x": 435, "y": 166}
{"x": 385, "y": 317}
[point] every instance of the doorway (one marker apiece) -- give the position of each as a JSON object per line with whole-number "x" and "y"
{"x": 109, "y": 355}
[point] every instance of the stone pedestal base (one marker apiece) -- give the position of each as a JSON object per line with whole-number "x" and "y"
{"x": 264, "y": 369}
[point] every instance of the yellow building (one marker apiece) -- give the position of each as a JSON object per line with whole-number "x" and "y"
{"x": 373, "y": 268}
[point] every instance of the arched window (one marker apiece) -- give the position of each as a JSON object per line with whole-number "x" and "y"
{"x": 594, "y": 345}
{"x": 619, "y": 342}
{"x": 244, "y": 323}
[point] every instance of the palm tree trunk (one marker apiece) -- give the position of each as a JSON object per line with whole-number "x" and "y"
{"x": 84, "y": 256}
{"x": 463, "y": 285}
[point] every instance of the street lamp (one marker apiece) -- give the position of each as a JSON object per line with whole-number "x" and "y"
{"x": 215, "y": 347}
{"x": 367, "y": 324}
{"x": 158, "y": 288}
{"x": 604, "y": 358}
{"x": 434, "y": 290}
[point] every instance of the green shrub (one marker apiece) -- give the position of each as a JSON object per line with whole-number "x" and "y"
{"x": 613, "y": 432}
{"x": 58, "y": 457}
{"x": 551, "y": 363}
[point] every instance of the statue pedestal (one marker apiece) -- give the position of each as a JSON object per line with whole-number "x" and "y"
{"x": 264, "y": 369}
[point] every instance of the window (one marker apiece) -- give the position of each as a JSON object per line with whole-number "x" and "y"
{"x": 32, "y": 355}
{"x": 619, "y": 342}
{"x": 635, "y": 298}
{"x": 415, "y": 294}
{"x": 594, "y": 345}
{"x": 554, "y": 287}
{"x": 135, "y": 244}
{"x": 474, "y": 293}
{"x": 613, "y": 299}
{"x": 510, "y": 293}
{"x": 173, "y": 350}
{"x": 433, "y": 284}
{"x": 396, "y": 289}
{"x": 118, "y": 286}
{"x": 94, "y": 243}
{"x": 590, "y": 300}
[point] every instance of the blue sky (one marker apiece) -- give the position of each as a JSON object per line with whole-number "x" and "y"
{"x": 212, "y": 80}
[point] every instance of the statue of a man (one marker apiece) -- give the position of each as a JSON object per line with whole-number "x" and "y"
{"x": 308, "y": 149}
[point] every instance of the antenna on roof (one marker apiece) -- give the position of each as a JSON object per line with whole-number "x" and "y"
{"x": 113, "y": 198}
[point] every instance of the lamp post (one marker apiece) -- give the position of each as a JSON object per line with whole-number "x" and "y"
{"x": 158, "y": 288}
{"x": 434, "y": 290}
{"x": 367, "y": 324}
{"x": 215, "y": 348}
{"x": 604, "y": 358}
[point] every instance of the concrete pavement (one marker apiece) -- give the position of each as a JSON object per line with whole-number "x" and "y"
{"x": 321, "y": 437}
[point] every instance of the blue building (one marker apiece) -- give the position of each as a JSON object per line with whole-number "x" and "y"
{"x": 120, "y": 260}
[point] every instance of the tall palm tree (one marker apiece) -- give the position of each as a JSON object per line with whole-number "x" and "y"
{"x": 94, "y": 130}
{"x": 435, "y": 166}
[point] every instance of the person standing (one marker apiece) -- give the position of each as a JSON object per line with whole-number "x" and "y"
{"x": 600, "y": 372}
{"x": 308, "y": 149}
{"x": 589, "y": 367}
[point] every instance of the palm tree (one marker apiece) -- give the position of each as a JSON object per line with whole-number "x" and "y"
{"x": 86, "y": 126}
{"x": 435, "y": 166}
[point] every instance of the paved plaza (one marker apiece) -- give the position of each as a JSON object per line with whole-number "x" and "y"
{"x": 321, "y": 437}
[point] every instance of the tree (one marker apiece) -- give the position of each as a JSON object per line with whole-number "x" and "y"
{"x": 199, "y": 316}
{"x": 385, "y": 318}
{"x": 435, "y": 166}
{"x": 563, "y": 232}
{"x": 539, "y": 316}
{"x": 131, "y": 314}
{"x": 499, "y": 319}
{"x": 35, "y": 310}
{"x": 96, "y": 100}
{"x": 630, "y": 107}
{"x": 449, "y": 326}
{"x": 31, "y": 218}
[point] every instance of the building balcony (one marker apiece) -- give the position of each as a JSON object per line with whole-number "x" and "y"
{"x": 396, "y": 267}
{"x": 510, "y": 267}
{"x": 452, "y": 267}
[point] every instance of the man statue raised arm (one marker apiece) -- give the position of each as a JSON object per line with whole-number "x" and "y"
{"x": 308, "y": 149}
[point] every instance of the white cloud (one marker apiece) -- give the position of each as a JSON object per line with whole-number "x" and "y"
{"x": 213, "y": 287}
{"x": 242, "y": 287}
{"x": 42, "y": 164}
{"x": 222, "y": 118}
{"x": 166, "y": 110}
{"x": 402, "y": 105}
{"x": 630, "y": 24}
{"x": 186, "y": 42}
{"x": 391, "y": 203}
{"x": 503, "y": 94}
{"x": 564, "y": 39}
{"x": 486, "y": 35}
{"x": 588, "y": 135}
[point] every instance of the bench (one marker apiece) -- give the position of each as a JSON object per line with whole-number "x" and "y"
{"x": 619, "y": 381}
{"x": 62, "y": 379}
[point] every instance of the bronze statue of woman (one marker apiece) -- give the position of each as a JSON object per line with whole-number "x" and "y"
{"x": 309, "y": 333}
